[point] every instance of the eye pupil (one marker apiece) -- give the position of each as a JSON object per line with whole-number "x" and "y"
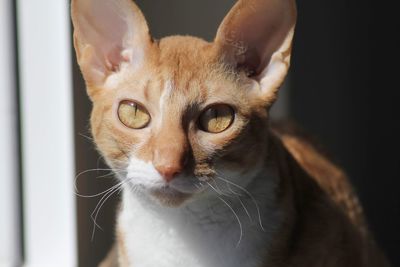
{"x": 216, "y": 118}
{"x": 133, "y": 115}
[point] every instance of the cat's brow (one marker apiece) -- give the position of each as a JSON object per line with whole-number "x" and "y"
{"x": 166, "y": 93}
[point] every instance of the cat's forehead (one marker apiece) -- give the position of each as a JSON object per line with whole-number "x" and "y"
{"x": 182, "y": 67}
{"x": 182, "y": 53}
{"x": 189, "y": 63}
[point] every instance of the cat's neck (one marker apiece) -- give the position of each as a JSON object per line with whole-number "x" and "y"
{"x": 207, "y": 229}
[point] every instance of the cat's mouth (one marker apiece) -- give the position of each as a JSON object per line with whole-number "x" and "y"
{"x": 169, "y": 196}
{"x": 172, "y": 193}
{"x": 165, "y": 190}
{"x": 177, "y": 191}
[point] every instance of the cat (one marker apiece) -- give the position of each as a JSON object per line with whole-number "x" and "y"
{"x": 207, "y": 179}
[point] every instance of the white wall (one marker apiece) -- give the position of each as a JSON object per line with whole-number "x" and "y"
{"x": 47, "y": 133}
{"x": 9, "y": 195}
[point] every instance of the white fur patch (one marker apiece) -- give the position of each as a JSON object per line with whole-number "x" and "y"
{"x": 143, "y": 174}
{"x": 204, "y": 232}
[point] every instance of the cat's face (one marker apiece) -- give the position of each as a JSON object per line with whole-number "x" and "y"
{"x": 174, "y": 117}
{"x": 196, "y": 121}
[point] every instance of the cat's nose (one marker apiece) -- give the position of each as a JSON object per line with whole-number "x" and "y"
{"x": 170, "y": 162}
{"x": 170, "y": 152}
{"x": 169, "y": 172}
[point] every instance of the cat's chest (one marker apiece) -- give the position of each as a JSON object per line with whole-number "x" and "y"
{"x": 181, "y": 240}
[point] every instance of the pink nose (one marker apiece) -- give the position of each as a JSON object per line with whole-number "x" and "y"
{"x": 169, "y": 172}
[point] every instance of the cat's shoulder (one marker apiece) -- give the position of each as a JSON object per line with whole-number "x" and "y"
{"x": 316, "y": 162}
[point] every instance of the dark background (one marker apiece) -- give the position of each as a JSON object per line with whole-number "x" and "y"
{"x": 343, "y": 88}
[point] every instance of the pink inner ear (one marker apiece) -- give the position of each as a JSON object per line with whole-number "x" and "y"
{"x": 113, "y": 30}
{"x": 251, "y": 63}
{"x": 254, "y": 30}
{"x": 114, "y": 58}
{"x": 106, "y": 31}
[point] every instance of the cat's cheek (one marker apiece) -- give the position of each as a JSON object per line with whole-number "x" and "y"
{"x": 234, "y": 180}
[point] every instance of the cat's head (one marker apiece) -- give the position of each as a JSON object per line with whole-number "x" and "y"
{"x": 174, "y": 115}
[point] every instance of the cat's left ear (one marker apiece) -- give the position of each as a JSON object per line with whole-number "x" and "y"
{"x": 256, "y": 36}
{"x": 107, "y": 34}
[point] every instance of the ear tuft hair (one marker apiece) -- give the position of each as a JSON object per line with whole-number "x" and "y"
{"x": 256, "y": 37}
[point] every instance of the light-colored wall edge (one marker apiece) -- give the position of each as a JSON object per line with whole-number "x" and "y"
{"x": 47, "y": 133}
{"x": 9, "y": 196}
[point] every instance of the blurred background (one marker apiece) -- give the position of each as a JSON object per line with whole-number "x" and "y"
{"x": 343, "y": 88}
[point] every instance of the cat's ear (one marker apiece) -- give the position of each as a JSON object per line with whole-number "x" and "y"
{"x": 107, "y": 34}
{"x": 256, "y": 36}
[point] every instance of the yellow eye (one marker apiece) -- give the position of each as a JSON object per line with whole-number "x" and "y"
{"x": 133, "y": 115}
{"x": 217, "y": 118}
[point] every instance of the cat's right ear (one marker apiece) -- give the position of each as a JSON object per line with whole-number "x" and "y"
{"x": 108, "y": 34}
{"x": 256, "y": 38}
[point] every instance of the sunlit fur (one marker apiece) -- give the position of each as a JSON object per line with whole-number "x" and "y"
{"x": 197, "y": 81}
{"x": 250, "y": 196}
{"x": 184, "y": 78}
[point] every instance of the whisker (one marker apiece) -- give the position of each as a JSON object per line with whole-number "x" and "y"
{"x": 198, "y": 186}
{"x": 234, "y": 213}
{"x": 112, "y": 173}
{"x": 93, "y": 170}
{"x": 98, "y": 194}
{"x": 87, "y": 137}
{"x": 91, "y": 215}
{"x": 215, "y": 190}
{"x": 233, "y": 191}
{"x": 108, "y": 191}
{"x": 238, "y": 195}
{"x": 106, "y": 175}
{"x": 102, "y": 201}
{"x": 245, "y": 210}
{"x": 218, "y": 190}
{"x": 238, "y": 220}
{"x": 106, "y": 194}
{"x": 250, "y": 195}
{"x": 224, "y": 193}
{"x": 98, "y": 211}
